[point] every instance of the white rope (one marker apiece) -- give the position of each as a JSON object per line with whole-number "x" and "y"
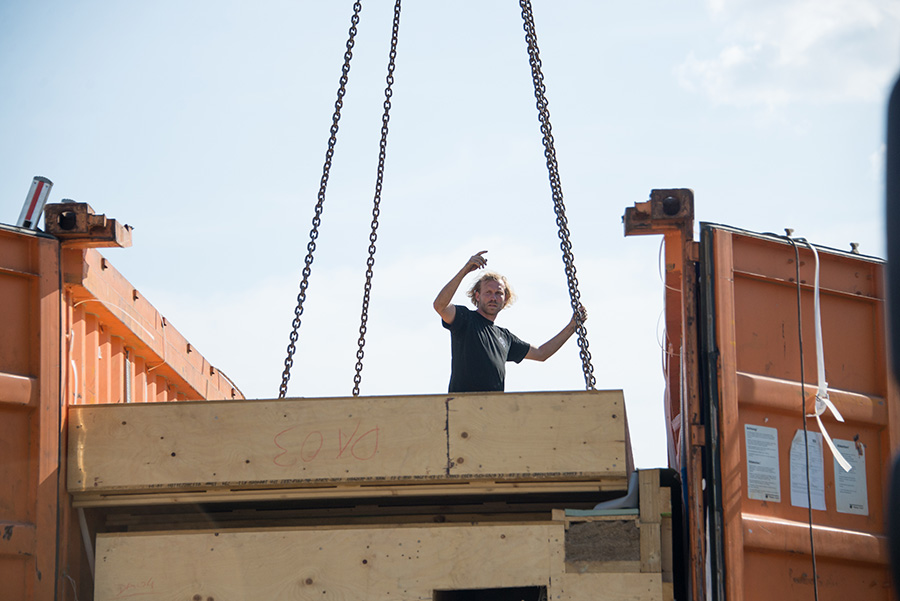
{"x": 86, "y": 539}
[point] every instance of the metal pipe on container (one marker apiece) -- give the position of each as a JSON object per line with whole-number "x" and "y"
{"x": 34, "y": 202}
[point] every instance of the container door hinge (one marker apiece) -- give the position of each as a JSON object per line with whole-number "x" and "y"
{"x": 693, "y": 249}
{"x": 698, "y": 435}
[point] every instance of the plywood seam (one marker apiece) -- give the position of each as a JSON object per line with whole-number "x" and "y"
{"x": 447, "y": 433}
{"x": 332, "y": 527}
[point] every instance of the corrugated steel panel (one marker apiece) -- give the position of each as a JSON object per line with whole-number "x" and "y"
{"x": 72, "y": 331}
{"x": 122, "y": 349}
{"x": 756, "y": 473}
{"x": 29, "y": 413}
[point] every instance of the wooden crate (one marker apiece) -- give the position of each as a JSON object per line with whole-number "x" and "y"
{"x": 624, "y": 541}
{"x": 347, "y": 447}
{"x": 396, "y": 561}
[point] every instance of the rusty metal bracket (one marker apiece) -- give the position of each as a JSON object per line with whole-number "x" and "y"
{"x": 667, "y": 209}
{"x": 77, "y": 226}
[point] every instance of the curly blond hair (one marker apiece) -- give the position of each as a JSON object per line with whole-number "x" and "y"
{"x": 496, "y": 277}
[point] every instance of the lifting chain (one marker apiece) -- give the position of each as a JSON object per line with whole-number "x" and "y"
{"x": 376, "y": 210}
{"x": 534, "y": 59}
{"x": 323, "y": 184}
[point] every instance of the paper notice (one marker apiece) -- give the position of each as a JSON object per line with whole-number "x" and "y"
{"x": 816, "y": 471}
{"x": 850, "y": 491}
{"x": 763, "y": 482}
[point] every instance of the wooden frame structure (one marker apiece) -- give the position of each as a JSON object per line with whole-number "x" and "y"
{"x": 347, "y": 447}
{"x": 364, "y": 498}
{"x": 623, "y": 554}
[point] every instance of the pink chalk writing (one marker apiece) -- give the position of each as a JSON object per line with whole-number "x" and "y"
{"x": 135, "y": 589}
{"x": 308, "y": 454}
{"x": 315, "y": 445}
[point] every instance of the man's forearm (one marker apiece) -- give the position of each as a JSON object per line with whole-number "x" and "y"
{"x": 549, "y": 348}
{"x": 445, "y": 296}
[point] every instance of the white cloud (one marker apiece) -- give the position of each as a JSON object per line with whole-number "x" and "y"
{"x": 776, "y": 53}
{"x": 716, "y": 6}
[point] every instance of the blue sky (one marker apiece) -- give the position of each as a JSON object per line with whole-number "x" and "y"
{"x": 203, "y": 125}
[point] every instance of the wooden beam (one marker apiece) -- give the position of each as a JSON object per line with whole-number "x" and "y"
{"x": 613, "y": 587}
{"x": 328, "y": 563}
{"x": 651, "y": 504}
{"x": 355, "y": 446}
{"x": 648, "y": 482}
{"x": 432, "y": 488}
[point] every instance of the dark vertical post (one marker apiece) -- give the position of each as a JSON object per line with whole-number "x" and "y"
{"x": 892, "y": 205}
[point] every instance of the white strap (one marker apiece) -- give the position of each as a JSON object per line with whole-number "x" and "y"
{"x": 822, "y": 400}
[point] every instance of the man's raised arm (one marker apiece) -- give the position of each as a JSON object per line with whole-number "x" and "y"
{"x": 442, "y": 304}
{"x": 549, "y": 348}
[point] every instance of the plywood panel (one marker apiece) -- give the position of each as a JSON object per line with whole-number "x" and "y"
{"x": 564, "y": 434}
{"x": 255, "y": 443}
{"x": 327, "y": 564}
{"x": 235, "y": 447}
{"x": 613, "y": 587}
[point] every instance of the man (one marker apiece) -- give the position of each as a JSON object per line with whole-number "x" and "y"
{"x": 479, "y": 348}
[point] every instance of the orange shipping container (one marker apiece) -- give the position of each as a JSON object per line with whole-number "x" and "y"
{"x": 29, "y": 413}
{"x": 740, "y": 361}
{"x": 72, "y": 331}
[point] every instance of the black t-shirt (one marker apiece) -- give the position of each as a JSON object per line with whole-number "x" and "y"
{"x": 480, "y": 351}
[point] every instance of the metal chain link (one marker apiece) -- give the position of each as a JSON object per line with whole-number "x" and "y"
{"x": 376, "y": 209}
{"x": 323, "y": 184}
{"x": 565, "y": 245}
